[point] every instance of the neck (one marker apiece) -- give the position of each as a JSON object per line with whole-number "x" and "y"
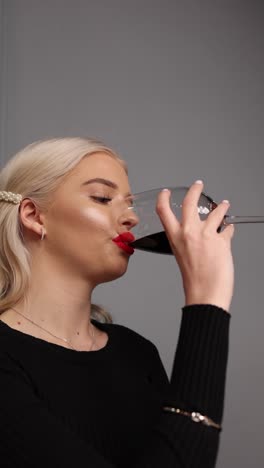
{"x": 59, "y": 302}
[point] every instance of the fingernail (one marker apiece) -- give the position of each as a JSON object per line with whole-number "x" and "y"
{"x": 198, "y": 182}
{"x": 165, "y": 190}
{"x": 226, "y": 201}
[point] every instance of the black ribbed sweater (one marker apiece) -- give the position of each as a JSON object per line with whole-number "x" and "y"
{"x": 103, "y": 409}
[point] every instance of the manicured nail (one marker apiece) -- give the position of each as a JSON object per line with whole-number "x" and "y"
{"x": 198, "y": 182}
{"x": 226, "y": 201}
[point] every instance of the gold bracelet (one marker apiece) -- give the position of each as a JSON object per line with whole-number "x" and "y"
{"x": 196, "y": 417}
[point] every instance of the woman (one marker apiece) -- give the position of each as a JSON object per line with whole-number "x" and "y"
{"x": 78, "y": 392}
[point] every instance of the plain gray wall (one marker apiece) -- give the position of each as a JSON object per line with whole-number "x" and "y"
{"x": 177, "y": 88}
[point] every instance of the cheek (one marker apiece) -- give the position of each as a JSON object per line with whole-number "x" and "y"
{"x": 85, "y": 234}
{"x": 76, "y": 223}
{"x": 95, "y": 221}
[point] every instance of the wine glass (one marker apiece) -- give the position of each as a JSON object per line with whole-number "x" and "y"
{"x": 149, "y": 232}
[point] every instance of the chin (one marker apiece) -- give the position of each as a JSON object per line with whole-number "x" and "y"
{"x": 113, "y": 272}
{"x": 114, "y": 275}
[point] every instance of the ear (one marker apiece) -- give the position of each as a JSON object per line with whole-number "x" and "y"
{"x": 30, "y": 217}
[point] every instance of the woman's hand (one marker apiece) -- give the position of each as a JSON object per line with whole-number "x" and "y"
{"x": 203, "y": 255}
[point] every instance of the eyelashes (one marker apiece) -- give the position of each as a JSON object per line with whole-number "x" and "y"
{"x": 104, "y": 200}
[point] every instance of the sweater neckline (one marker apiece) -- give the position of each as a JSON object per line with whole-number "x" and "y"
{"x": 64, "y": 352}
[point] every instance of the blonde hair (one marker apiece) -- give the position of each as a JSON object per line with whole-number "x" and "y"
{"x": 36, "y": 172}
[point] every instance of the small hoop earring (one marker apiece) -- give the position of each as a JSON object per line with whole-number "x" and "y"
{"x": 42, "y": 233}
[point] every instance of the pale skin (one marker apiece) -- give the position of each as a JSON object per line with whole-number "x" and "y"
{"x": 77, "y": 252}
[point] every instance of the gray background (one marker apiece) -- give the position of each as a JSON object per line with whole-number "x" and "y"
{"x": 177, "y": 88}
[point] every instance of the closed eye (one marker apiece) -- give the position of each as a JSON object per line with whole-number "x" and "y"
{"x": 103, "y": 200}
{"x": 106, "y": 200}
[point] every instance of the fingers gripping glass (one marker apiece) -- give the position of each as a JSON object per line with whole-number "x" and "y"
{"x": 149, "y": 232}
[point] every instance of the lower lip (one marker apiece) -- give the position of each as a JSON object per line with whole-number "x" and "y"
{"x": 129, "y": 250}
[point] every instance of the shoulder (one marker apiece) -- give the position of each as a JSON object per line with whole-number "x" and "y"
{"x": 140, "y": 353}
{"x": 5, "y": 337}
{"x": 10, "y": 361}
{"x": 124, "y": 333}
{"x": 128, "y": 337}
{"x": 8, "y": 346}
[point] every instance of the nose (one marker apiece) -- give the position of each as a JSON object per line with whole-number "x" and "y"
{"x": 129, "y": 218}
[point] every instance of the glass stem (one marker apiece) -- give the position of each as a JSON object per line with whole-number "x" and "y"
{"x": 228, "y": 219}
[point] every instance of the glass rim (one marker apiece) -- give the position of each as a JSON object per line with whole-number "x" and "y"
{"x": 179, "y": 187}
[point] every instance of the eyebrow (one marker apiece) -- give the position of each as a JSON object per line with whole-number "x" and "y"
{"x": 108, "y": 183}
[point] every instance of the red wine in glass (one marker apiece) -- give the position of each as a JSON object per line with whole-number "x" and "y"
{"x": 149, "y": 232}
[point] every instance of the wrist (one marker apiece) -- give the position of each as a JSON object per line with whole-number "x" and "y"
{"x": 209, "y": 300}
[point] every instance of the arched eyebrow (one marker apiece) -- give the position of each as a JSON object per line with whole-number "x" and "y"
{"x": 108, "y": 183}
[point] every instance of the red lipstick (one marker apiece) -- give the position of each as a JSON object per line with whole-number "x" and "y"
{"x": 123, "y": 240}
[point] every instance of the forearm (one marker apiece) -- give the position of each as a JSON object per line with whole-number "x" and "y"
{"x": 199, "y": 370}
{"x": 197, "y": 384}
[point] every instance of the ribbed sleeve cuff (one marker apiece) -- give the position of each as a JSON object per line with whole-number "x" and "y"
{"x": 199, "y": 370}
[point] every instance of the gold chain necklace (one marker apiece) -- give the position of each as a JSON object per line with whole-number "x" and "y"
{"x": 55, "y": 336}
